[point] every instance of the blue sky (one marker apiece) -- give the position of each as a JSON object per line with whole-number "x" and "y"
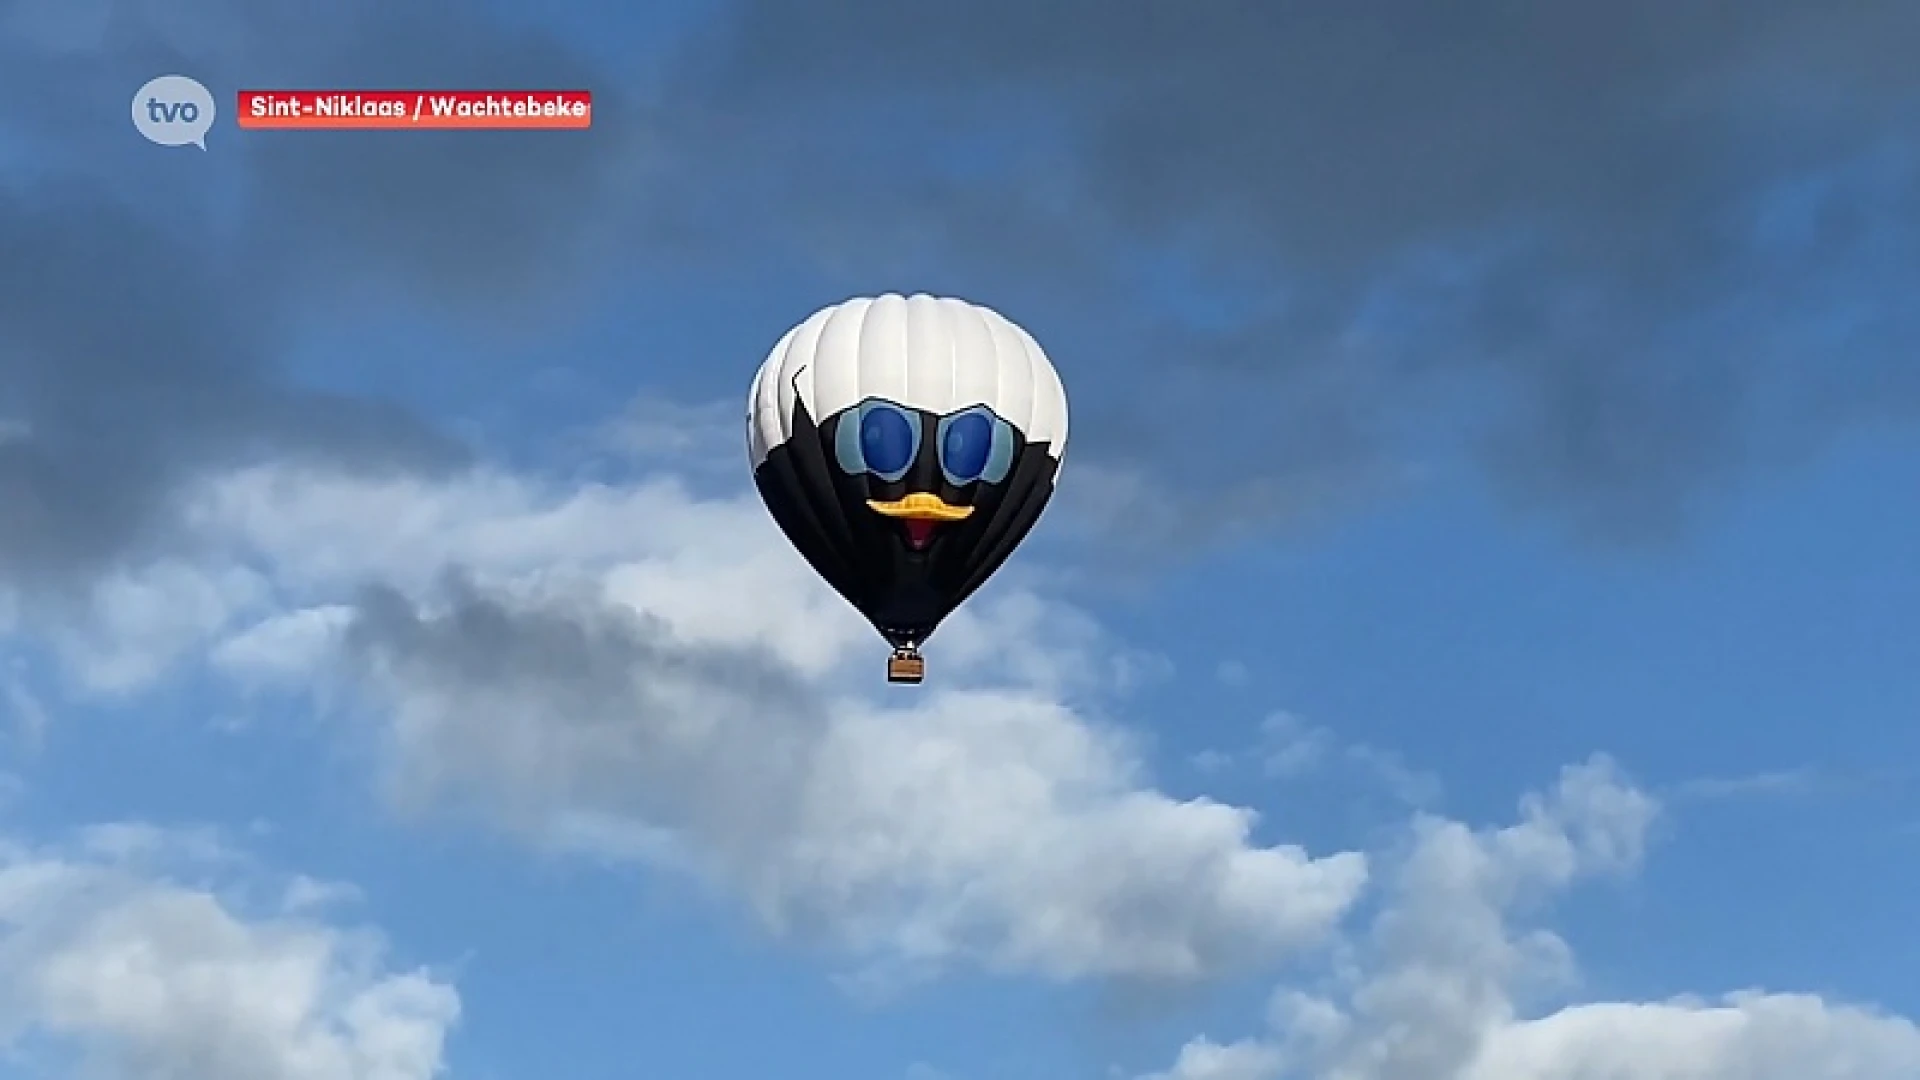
{"x": 1474, "y": 639}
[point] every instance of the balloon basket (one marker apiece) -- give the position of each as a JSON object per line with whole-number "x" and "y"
{"x": 906, "y": 666}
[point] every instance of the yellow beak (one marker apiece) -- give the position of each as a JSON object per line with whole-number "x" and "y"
{"x": 921, "y": 506}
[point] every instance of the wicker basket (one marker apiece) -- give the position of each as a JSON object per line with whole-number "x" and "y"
{"x": 906, "y": 668}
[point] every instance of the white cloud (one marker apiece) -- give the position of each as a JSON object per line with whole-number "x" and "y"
{"x": 1288, "y": 747}
{"x": 638, "y": 672}
{"x": 1441, "y": 987}
{"x": 634, "y": 672}
{"x": 1291, "y": 746}
{"x": 712, "y": 570}
{"x": 23, "y": 706}
{"x": 658, "y": 429}
{"x": 283, "y": 647}
{"x": 1772, "y": 783}
{"x": 1203, "y": 1059}
{"x": 104, "y": 953}
{"x": 1743, "y": 1036}
{"x": 1210, "y": 761}
{"x": 138, "y": 622}
{"x": 991, "y": 826}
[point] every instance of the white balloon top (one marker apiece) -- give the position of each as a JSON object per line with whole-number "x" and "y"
{"x": 923, "y": 352}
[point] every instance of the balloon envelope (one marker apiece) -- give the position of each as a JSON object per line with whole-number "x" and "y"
{"x": 906, "y": 445}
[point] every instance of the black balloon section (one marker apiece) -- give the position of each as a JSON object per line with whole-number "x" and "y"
{"x": 904, "y": 512}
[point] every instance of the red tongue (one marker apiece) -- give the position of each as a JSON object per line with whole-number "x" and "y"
{"x": 919, "y": 532}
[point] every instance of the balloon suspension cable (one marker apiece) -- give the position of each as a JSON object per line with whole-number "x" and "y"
{"x": 906, "y": 665}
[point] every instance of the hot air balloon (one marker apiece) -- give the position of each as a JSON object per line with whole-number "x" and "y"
{"x": 906, "y": 445}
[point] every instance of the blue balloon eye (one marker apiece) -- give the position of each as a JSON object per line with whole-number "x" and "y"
{"x": 965, "y": 445}
{"x": 886, "y": 440}
{"x": 878, "y": 438}
{"x": 975, "y": 445}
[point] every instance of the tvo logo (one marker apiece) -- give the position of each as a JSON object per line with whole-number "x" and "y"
{"x": 173, "y": 110}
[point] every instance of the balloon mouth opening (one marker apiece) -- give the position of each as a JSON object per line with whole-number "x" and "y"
{"x": 920, "y": 532}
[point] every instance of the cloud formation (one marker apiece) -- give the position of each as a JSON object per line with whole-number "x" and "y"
{"x": 1618, "y": 256}
{"x": 1451, "y": 984}
{"x": 110, "y": 965}
{"x": 638, "y": 673}
{"x": 683, "y": 698}
{"x": 1621, "y": 253}
{"x": 139, "y": 346}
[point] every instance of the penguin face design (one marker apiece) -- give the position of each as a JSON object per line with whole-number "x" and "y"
{"x": 922, "y": 470}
